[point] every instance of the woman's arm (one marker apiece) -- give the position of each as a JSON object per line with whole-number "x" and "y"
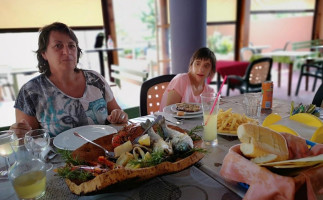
{"x": 24, "y": 123}
{"x": 173, "y": 97}
{"x": 117, "y": 116}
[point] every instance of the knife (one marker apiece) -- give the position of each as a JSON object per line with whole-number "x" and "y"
{"x": 159, "y": 117}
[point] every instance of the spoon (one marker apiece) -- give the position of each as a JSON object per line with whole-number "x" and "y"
{"x": 107, "y": 153}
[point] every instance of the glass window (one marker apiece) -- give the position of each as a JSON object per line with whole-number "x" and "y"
{"x": 277, "y": 22}
{"x": 261, "y": 5}
{"x": 221, "y": 10}
{"x": 221, "y": 40}
{"x": 37, "y": 13}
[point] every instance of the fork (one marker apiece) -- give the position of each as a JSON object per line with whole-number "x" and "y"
{"x": 107, "y": 153}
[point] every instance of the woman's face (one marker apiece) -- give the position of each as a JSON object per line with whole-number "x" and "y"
{"x": 201, "y": 69}
{"x": 61, "y": 52}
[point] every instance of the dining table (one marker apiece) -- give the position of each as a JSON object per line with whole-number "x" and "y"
{"x": 289, "y": 58}
{"x": 199, "y": 181}
{"x": 100, "y": 52}
{"x": 258, "y": 48}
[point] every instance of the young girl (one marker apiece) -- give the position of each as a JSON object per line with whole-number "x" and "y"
{"x": 187, "y": 87}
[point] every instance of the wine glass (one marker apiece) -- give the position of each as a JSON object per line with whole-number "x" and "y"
{"x": 36, "y": 141}
{"x": 5, "y": 149}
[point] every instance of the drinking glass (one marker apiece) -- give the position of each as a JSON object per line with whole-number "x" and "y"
{"x": 252, "y": 104}
{"x": 209, "y": 136}
{"x": 5, "y": 149}
{"x": 36, "y": 141}
{"x": 28, "y": 174}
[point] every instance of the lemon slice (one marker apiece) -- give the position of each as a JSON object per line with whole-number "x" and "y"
{"x": 271, "y": 119}
{"x": 281, "y": 128}
{"x": 318, "y": 135}
{"x": 307, "y": 119}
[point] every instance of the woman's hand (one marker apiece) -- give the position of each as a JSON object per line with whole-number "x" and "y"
{"x": 117, "y": 116}
{"x": 20, "y": 128}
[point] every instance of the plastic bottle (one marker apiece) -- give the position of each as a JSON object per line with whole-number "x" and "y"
{"x": 110, "y": 43}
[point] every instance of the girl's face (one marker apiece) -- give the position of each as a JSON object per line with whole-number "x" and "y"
{"x": 201, "y": 69}
{"x": 61, "y": 52}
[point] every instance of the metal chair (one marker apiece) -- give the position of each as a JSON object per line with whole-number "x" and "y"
{"x": 5, "y": 84}
{"x": 151, "y": 93}
{"x": 314, "y": 69}
{"x": 318, "y": 98}
{"x": 257, "y": 72}
{"x": 246, "y": 53}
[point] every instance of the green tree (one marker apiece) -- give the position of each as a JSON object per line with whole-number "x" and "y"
{"x": 149, "y": 18}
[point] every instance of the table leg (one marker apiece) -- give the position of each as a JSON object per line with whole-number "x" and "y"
{"x": 279, "y": 73}
{"x": 290, "y": 73}
{"x": 101, "y": 63}
{"x": 15, "y": 84}
{"x": 306, "y": 79}
{"x": 218, "y": 81}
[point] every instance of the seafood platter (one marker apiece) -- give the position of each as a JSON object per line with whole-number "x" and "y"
{"x": 163, "y": 149}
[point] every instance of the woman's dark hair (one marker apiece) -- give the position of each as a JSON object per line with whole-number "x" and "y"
{"x": 204, "y": 53}
{"x": 43, "y": 40}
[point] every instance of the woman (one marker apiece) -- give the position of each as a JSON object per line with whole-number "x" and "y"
{"x": 63, "y": 96}
{"x": 187, "y": 87}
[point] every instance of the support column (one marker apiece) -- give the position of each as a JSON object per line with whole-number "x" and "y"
{"x": 188, "y": 31}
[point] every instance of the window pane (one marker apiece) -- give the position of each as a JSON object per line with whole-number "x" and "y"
{"x": 37, "y": 13}
{"x": 221, "y": 10}
{"x": 261, "y": 5}
{"x": 221, "y": 40}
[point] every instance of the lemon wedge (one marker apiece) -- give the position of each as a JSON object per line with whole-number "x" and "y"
{"x": 271, "y": 119}
{"x": 281, "y": 128}
{"x": 318, "y": 135}
{"x": 144, "y": 140}
{"x": 307, "y": 119}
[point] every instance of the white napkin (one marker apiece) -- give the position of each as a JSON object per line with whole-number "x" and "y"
{"x": 169, "y": 117}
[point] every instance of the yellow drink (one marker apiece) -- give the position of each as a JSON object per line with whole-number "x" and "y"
{"x": 210, "y": 130}
{"x": 5, "y": 148}
{"x": 30, "y": 185}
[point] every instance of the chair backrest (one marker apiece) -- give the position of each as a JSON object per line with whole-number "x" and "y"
{"x": 152, "y": 92}
{"x": 318, "y": 98}
{"x": 258, "y": 71}
{"x": 246, "y": 53}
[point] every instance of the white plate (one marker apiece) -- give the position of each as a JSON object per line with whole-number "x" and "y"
{"x": 68, "y": 141}
{"x": 173, "y": 108}
{"x": 167, "y": 109}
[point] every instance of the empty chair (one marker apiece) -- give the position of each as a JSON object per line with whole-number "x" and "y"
{"x": 151, "y": 93}
{"x": 246, "y": 53}
{"x": 5, "y": 85}
{"x": 257, "y": 72}
{"x": 285, "y": 46}
{"x": 318, "y": 98}
{"x": 314, "y": 69}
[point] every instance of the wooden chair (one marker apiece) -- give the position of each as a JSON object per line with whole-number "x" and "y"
{"x": 318, "y": 98}
{"x": 151, "y": 93}
{"x": 257, "y": 72}
{"x": 314, "y": 69}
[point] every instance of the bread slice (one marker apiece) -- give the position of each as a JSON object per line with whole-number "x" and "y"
{"x": 260, "y": 142}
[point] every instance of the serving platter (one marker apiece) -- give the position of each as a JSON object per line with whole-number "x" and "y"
{"x": 120, "y": 176}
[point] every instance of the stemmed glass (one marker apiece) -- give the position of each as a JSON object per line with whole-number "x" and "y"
{"x": 5, "y": 149}
{"x": 36, "y": 141}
